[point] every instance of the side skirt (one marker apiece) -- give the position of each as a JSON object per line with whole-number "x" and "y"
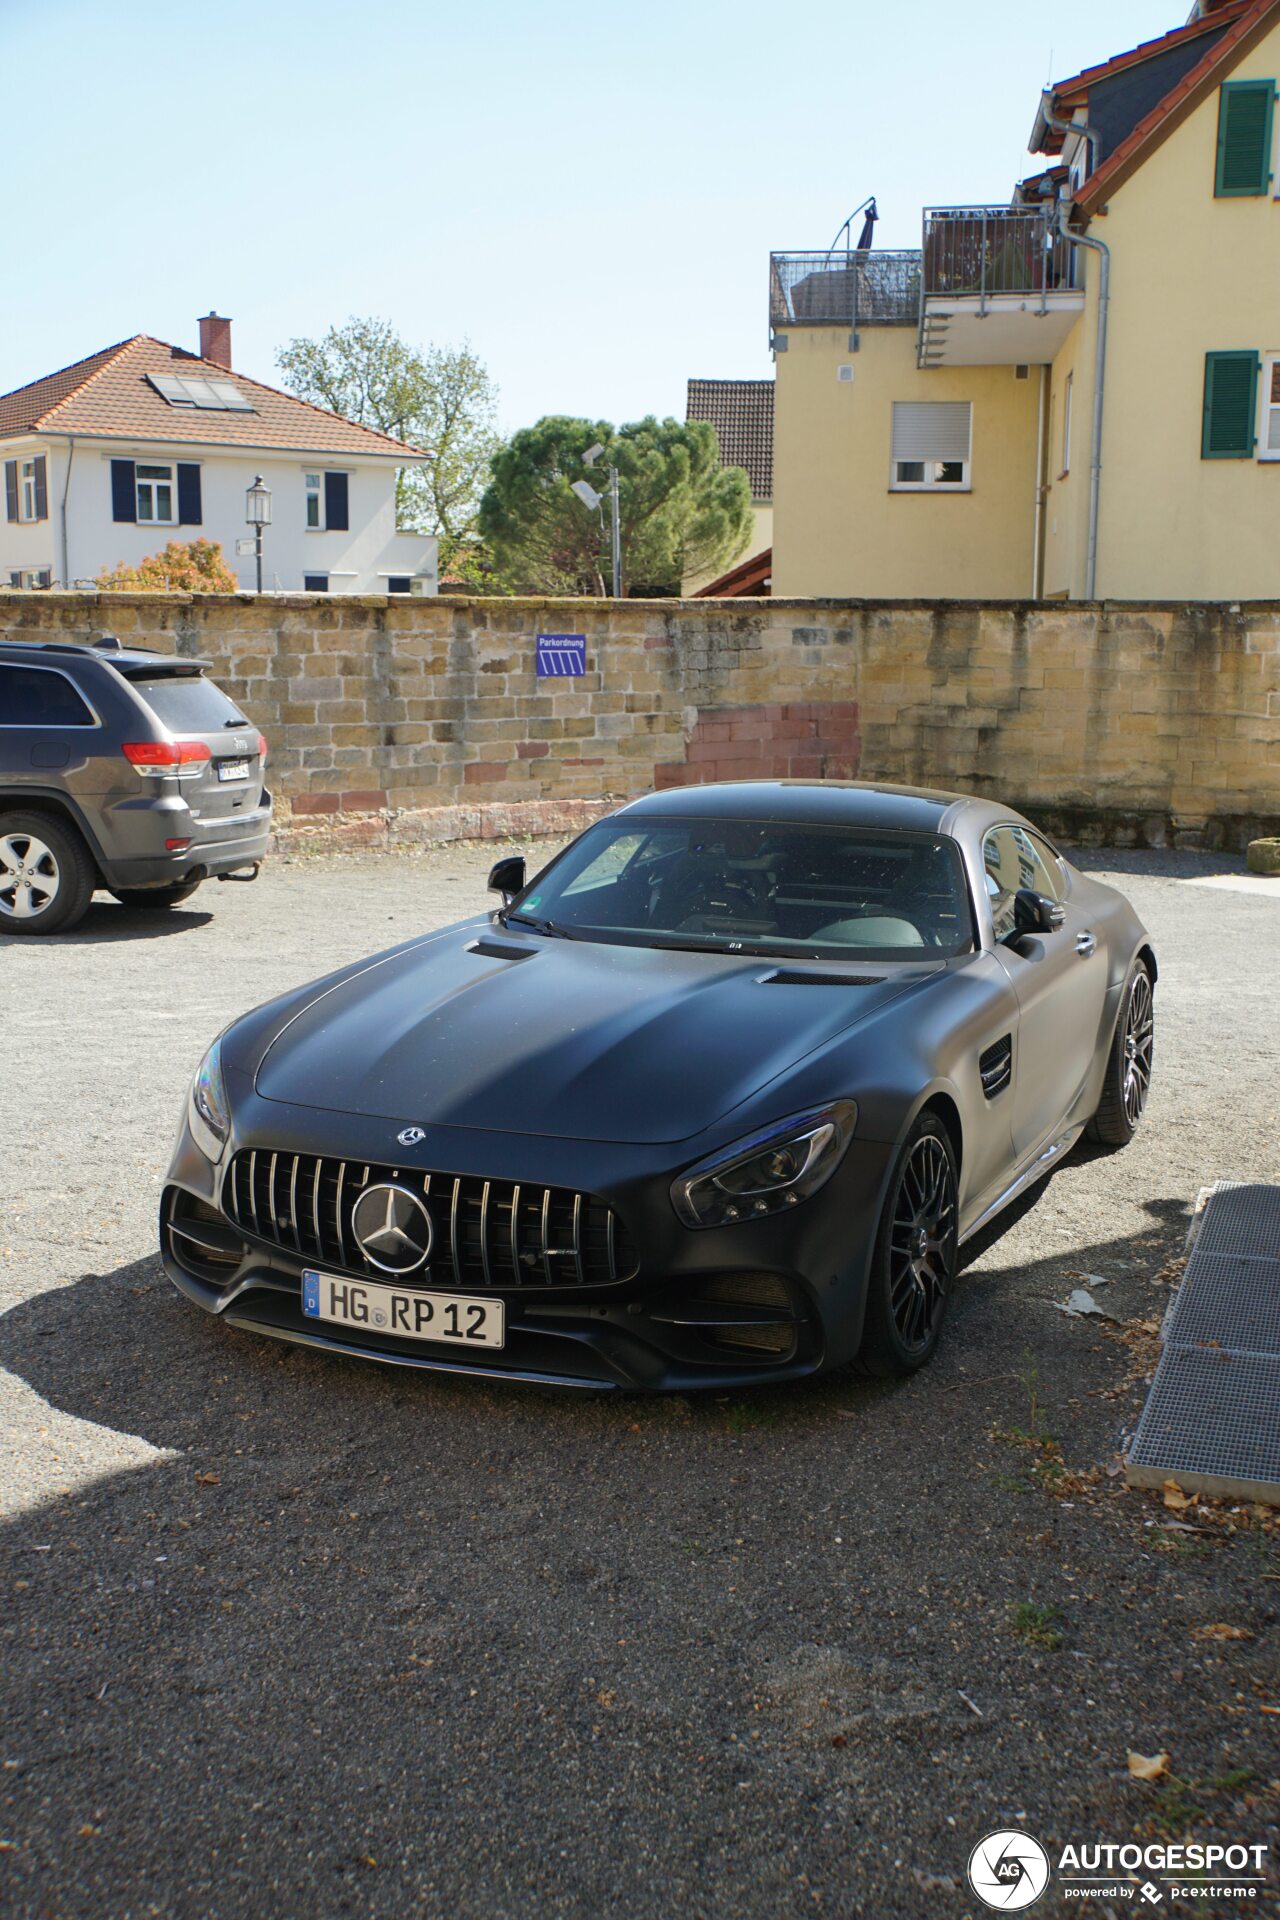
{"x": 1044, "y": 1163}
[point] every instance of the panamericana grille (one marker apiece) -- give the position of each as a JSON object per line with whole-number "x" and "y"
{"x": 485, "y": 1233}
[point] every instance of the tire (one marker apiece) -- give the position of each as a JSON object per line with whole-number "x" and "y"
{"x": 46, "y": 874}
{"x": 1128, "y": 1076}
{"x": 173, "y": 896}
{"x": 911, "y": 1279}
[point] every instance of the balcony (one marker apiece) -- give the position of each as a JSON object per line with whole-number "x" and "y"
{"x": 849, "y": 288}
{"x": 998, "y": 287}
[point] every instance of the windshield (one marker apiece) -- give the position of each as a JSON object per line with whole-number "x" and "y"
{"x": 757, "y": 886}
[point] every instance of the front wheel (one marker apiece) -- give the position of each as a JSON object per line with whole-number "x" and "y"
{"x": 171, "y": 896}
{"x": 913, "y": 1266}
{"x": 1128, "y": 1076}
{"x": 46, "y": 875}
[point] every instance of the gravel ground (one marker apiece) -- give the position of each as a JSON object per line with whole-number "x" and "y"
{"x": 288, "y": 1636}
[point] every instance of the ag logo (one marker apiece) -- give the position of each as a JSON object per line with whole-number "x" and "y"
{"x": 410, "y": 1136}
{"x": 1008, "y": 1870}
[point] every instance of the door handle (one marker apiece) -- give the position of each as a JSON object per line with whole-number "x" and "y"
{"x": 1086, "y": 943}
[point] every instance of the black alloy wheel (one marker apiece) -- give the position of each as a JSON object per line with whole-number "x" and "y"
{"x": 914, "y": 1263}
{"x": 1129, "y": 1064}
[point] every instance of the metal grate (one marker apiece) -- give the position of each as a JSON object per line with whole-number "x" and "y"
{"x": 851, "y": 289}
{"x": 1212, "y": 1417}
{"x": 995, "y": 1067}
{"x": 1241, "y": 1218}
{"x": 1230, "y": 1301}
{"x": 485, "y": 1233}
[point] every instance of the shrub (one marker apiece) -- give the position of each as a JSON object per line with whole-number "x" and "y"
{"x": 190, "y": 566}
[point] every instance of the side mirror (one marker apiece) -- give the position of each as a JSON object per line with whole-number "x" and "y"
{"x": 1035, "y": 913}
{"x": 507, "y": 878}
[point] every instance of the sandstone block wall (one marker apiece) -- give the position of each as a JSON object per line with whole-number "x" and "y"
{"x": 1117, "y": 721}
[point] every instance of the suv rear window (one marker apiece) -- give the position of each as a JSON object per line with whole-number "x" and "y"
{"x": 187, "y": 703}
{"x": 40, "y": 697}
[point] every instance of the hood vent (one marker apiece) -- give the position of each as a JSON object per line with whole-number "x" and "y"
{"x": 808, "y": 977}
{"x": 498, "y": 950}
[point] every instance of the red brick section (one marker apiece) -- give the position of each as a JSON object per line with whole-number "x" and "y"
{"x": 478, "y": 773}
{"x": 806, "y": 739}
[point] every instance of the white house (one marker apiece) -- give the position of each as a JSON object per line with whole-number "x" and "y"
{"x": 144, "y": 443}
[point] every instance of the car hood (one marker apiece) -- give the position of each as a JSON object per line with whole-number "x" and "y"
{"x": 576, "y": 1039}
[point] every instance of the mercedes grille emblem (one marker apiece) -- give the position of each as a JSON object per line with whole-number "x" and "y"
{"x": 392, "y": 1228}
{"x": 410, "y": 1136}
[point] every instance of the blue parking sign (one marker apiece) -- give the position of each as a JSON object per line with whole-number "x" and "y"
{"x": 561, "y": 656}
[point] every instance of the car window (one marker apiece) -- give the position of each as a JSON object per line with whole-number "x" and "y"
{"x": 187, "y": 703}
{"x": 40, "y": 697}
{"x": 1013, "y": 859}
{"x": 766, "y": 885}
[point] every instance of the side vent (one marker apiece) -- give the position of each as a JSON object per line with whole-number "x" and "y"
{"x": 996, "y": 1067}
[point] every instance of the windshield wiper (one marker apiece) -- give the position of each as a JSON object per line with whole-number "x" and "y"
{"x": 235, "y": 723}
{"x": 550, "y": 927}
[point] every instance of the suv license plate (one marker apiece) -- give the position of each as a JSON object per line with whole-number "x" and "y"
{"x": 233, "y": 769}
{"x": 457, "y": 1319}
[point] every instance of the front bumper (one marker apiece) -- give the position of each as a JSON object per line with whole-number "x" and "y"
{"x": 726, "y": 1307}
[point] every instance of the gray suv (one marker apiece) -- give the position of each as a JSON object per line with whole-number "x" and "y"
{"x": 123, "y": 769}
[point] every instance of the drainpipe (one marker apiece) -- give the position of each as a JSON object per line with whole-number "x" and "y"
{"x": 1103, "y": 252}
{"x": 66, "y": 488}
{"x": 1037, "y": 531}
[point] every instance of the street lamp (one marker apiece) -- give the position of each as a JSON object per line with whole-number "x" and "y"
{"x": 257, "y": 514}
{"x": 590, "y": 498}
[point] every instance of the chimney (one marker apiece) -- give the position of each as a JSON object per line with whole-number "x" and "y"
{"x": 215, "y": 339}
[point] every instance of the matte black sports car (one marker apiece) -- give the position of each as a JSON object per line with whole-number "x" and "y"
{"x": 716, "y": 1098}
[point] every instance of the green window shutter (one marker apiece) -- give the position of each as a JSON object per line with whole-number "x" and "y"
{"x": 1230, "y": 405}
{"x": 1244, "y": 137}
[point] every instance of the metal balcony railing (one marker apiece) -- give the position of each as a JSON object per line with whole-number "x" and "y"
{"x": 985, "y": 251}
{"x": 851, "y": 288}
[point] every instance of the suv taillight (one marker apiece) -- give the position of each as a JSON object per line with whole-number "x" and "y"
{"x": 262, "y": 748}
{"x": 159, "y": 757}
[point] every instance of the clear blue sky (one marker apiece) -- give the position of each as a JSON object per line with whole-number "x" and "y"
{"x": 587, "y": 193}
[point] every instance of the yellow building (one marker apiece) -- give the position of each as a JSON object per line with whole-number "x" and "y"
{"x": 1076, "y": 395}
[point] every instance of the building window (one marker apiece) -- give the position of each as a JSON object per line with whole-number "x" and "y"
{"x": 399, "y": 583}
{"x": 1244, "y": 138}
{"x": 1066, "y": 423}
{"x": 31, "y": 577}
{"x": 26, "y": 488}
{"x": 1269, "y": 434}
{"x": 1230, "y": 406}
{"x": 931, "y": 443}
{"x": 155, "y": 494}
{"x": 315, "y": 500}
{"x": 315, "y": 583}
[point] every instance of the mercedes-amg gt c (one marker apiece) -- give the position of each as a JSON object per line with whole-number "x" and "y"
{"x": 717, "y": 1097}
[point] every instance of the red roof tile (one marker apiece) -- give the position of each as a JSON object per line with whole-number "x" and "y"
{"x": 1214, "y": 22}
{"x": 109, "y": 396}
{"x": 1248, "y": 24}
{"x": 749, "y": 578}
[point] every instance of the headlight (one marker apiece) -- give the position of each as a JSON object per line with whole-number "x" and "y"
{"x": 208, "y": 1115}
{"x": 768, "y": 1172}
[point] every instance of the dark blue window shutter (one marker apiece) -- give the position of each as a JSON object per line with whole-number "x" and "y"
{"x": 11, "y": 489}
{"x": 188, "y": 493}
{"x": 42, "y": 487}
{"x": 335, "y": 502}
{"x": 124, "y": 492}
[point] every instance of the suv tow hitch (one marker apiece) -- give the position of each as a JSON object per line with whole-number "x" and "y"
{"x": 241, "y": 875}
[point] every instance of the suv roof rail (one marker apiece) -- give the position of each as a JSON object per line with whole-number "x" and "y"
{"x": 106, "y": 643}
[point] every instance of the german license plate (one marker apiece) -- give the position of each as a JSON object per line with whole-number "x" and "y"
{"x": 456, "y": 1319}
{"x": 233, "y": 769}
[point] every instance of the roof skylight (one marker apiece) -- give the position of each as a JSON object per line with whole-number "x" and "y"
{"x": 186, "y": 390}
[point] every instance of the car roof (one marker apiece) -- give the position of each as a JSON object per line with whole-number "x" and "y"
{"x": 862, "y": 803}
{"x": 127, "y": 660}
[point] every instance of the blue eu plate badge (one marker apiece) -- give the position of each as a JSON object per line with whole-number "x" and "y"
{"x": 311, "y": 1295}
